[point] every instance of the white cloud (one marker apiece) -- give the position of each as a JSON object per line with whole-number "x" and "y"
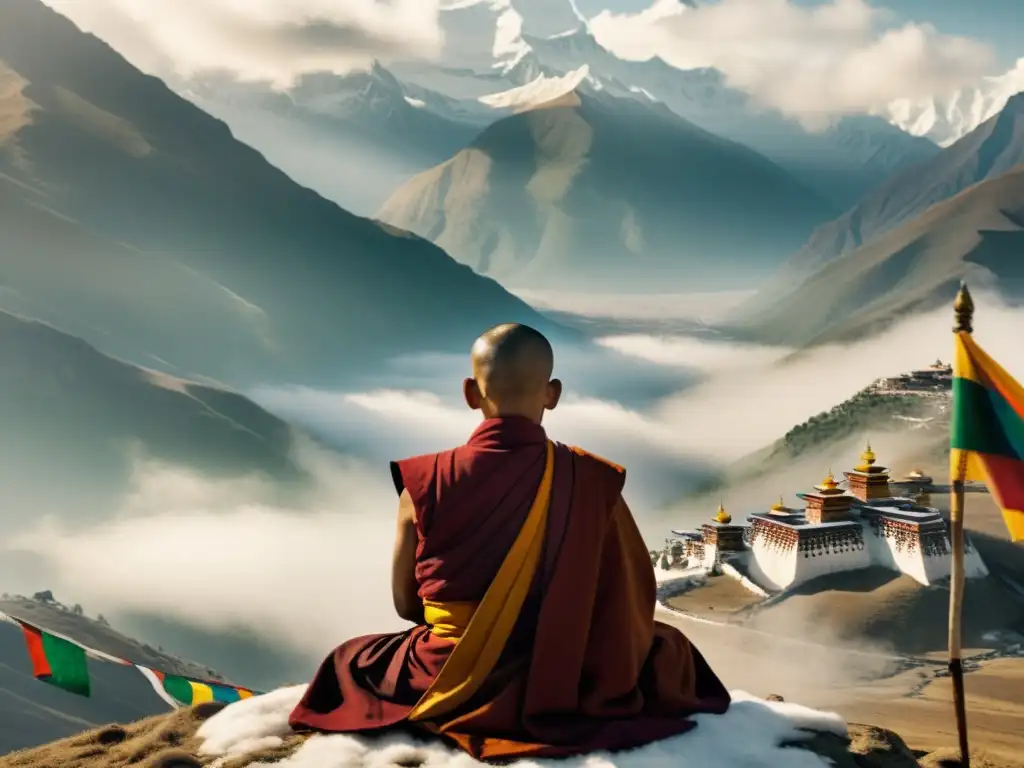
{"x": 222, "y": 554}
{"x": 261, "y": 39}
{"x": 810, "y": 62}
{"x": 705, "y": 307}
{"x": 219, "y": 554}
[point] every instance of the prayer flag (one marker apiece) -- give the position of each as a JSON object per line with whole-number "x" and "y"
{"x": 57, "y": 661}
{"x": 987, "y": 431}
{"x": 189, "y": 692}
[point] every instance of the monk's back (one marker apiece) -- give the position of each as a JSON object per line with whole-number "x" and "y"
{"x": 471, "y": 502}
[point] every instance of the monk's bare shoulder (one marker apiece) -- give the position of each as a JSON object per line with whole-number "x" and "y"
{"x": 618, "y": 468}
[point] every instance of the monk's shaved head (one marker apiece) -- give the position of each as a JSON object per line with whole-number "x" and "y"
{"x": 512, "y": 362}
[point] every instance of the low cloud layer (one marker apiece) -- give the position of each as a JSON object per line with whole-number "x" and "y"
{"x": 260, "y": 39}
{"x": 223, "y": 555}
{"x": 810, "y": 62}
{"x": 309, "y": 570}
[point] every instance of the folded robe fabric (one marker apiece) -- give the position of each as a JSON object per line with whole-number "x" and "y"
{"x": 584, "y": 666}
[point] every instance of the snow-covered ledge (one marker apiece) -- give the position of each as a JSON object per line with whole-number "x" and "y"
{"x": 753, "y": 733}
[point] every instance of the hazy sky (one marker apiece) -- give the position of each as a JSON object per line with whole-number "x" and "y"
{"x": 810, "y": 59}
{"x": 1000, "y": 23}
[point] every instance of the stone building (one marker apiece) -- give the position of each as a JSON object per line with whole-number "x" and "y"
{"x": 837, "y": 530}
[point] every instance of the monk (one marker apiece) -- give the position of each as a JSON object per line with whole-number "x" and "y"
{"x": 530, "y": 589}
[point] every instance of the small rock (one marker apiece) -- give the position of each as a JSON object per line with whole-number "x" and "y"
{"x": 773, "y": 697}
{"x": 207, "y": 709}
{"x": 112, "y": 734}
{"x": 175, "y": 759}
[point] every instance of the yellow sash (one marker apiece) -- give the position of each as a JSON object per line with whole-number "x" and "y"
{"x": 481, "y": 631}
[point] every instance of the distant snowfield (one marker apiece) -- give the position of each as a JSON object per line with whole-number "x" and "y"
{"x": 751, "y": 734}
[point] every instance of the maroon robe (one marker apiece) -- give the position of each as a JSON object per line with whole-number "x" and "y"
{"x": 586, "y": 666}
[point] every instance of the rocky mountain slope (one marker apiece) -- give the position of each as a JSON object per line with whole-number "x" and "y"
{"x": 918, "y": 425}
{"x": 977, "y": 235}
{"x": 589, "y": 191}
{"x": 74, "y": 419}
{"x": 992, "y": 149}
{"x": 90, "y": 139}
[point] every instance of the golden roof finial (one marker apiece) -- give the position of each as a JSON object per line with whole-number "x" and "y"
{"x": 867, "y": 460}
{"x": 722, "y": 517}
{"x": 780, "y": 505}
{"x": 829, "y": 486}
{"x": 868, "y": 457}
{"x": 963, "y": 310}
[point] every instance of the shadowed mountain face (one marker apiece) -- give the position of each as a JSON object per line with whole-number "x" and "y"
{"x": 990, "y": 150}
{"x": 303, "y": 288}
{"x": 977, "y": 235}
{"x": 72, "y": 419}
{"x": 993, "y": 148}
{"x": 589, "y": 193}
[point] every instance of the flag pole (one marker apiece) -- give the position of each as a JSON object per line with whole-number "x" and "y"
{"x": 963, "y": 309}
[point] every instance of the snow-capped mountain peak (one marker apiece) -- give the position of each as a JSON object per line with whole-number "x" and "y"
{"x": 492, "y": 34}
{"x": 946, "y": 120}
{"x": 541, "y": 90}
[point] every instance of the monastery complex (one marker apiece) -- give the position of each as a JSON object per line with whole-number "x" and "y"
{"x": 936, "y": 380}
{"x": 867, "y": 523}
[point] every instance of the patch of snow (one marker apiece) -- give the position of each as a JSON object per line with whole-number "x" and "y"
{"x": 509, "y": 46}
{"x": 261, "y": 721}
{"x": 567, "y": 33}
{"x": 539, "y": 91}
{"x": 418, "y": 103}
{"x": 643, "y": 92}
{"x": 458, "y": 5}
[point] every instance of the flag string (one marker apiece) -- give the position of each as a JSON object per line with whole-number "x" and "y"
{"x": 60, "y": 661}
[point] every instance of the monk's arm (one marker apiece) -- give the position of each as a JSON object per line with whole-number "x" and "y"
{"x": 637, "y": 571}
{"x": 403, "y": 565}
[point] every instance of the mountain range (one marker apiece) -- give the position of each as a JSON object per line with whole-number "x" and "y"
{"x": 977, "y": 235}
{"x": 906, "y": 246}
{"x": 589, "y": 190}
{"x": 94, "y": 153}
{"x": 496, "y": 46}
{"x": 395, "y": 141}
{"x": 354, "y": 139}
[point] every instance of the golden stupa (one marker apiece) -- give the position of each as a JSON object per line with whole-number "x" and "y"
{"x": 829, "y": 486}
{"x": 779, "y": 508}
{"x": 723, "y": 517}
{"x": 868, "y": 462}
